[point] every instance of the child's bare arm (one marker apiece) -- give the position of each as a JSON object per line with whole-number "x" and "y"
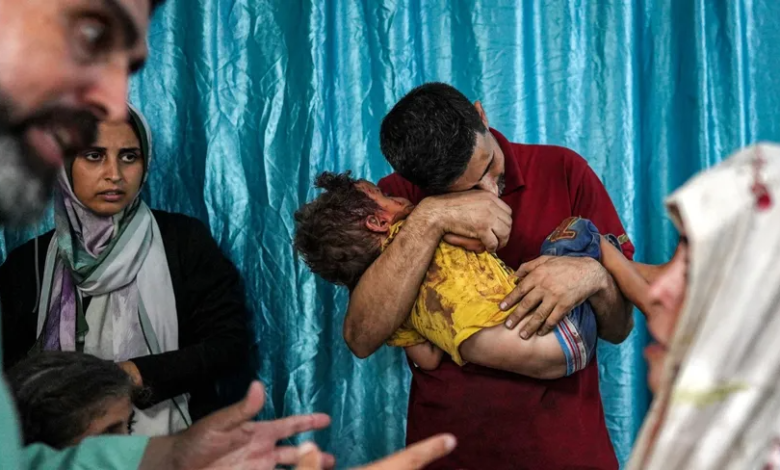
{"x": 648, "y": 271}
{"x": 633, "y": 279}
{"x": 426, "y": 355}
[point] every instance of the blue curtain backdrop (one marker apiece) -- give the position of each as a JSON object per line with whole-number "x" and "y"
{"x": 250, "y": 99}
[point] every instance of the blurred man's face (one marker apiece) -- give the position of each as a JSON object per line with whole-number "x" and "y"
{"x": 64, "y": 65}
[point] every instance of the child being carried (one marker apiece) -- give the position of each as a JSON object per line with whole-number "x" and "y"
{"x": 347, "y": 227}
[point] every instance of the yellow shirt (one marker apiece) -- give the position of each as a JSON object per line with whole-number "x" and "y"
{"x": 458, "y": 297}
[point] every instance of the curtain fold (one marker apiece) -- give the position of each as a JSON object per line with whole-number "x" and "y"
{"x": 250, "y": 99}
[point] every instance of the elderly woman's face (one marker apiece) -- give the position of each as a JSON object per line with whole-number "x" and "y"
{"x": 667, "y": 294}
{"x": 108, "y": 175}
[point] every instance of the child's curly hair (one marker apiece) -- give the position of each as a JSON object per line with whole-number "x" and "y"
{"x": 331, "y": 235}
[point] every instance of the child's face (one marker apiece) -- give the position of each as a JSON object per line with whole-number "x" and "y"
{"x": 392, "y": 209}
{"x": 116, "y": 419}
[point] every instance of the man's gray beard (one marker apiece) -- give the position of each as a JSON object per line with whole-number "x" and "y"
{"x": 24, "y": 193}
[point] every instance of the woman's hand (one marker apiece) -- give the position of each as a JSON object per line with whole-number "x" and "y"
{"x": 132, "y": 371}
{"x": 229, "y": 440}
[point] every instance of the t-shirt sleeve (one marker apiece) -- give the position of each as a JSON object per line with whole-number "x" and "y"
{"x": 396, "y": 186}
{"x": 406, "y": 336}
{"x": 590, "y": 200}
{"x": 104, "y": 452}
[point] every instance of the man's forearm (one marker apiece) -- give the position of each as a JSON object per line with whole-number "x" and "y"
{"x": 614, "y": 314}
{"x": 386, "y": 293}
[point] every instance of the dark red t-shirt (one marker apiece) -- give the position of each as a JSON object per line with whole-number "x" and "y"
{"x": 503, "y": 420}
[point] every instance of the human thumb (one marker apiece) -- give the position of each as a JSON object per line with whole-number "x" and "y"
{"x": 311, "y": 457}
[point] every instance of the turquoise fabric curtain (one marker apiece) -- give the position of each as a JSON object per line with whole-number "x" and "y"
{"x": 249, "y": 99}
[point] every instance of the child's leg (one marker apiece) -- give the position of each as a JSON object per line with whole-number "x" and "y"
{"x": 540, "y": 357}
{"x": 572, "y": 345}
{"x": 569, "y": 349}
{"x": 426, "y": 355}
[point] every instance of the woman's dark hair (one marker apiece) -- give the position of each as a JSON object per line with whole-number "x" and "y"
{"x": 430, "y": 134}
{"x": 58, "y": 394}
{"x": 330, "y": 231}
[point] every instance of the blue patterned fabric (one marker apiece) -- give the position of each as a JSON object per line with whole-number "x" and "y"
{"x": 577, "y": 333}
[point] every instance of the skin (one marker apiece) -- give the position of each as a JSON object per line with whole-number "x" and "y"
{"x": 667, "y": 295}
{"x": 473, "y": 216}
{"x": 633, "y": 279}
{"x": 63, "y": 65}
{"x": 72, "y": 55}
{"x": 107, "y": 176}
{"x": 488, "y": 219}
{"x": 549, "y": 287}
{"x": 658, "y": 292}
{"x": 391, "y": 209}
{"x": 230, "y": 439}
{"x": 416, "y": 457}
{"x": 76, "y": 56}
{"x": 68, "y": 56}
{"x": 116, "y": 419}
{"x": 495, "y": 347}
{"x": 485, "y": 170}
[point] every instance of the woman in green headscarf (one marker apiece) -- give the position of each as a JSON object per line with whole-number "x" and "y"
{"x": 147, "y": 289}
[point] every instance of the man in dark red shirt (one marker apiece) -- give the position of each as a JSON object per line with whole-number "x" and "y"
{"x": 509, "y": 197}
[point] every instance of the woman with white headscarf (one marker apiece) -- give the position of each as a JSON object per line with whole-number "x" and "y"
{"x": 147, "y": 289}
{"x": 715, "y": 313}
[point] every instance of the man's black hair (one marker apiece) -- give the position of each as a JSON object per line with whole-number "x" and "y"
{"x": 430, "y": 134}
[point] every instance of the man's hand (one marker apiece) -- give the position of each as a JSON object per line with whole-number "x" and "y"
{"x": 473, "y": 219}
{"x": 412, "y": 458}
{"x": 228, "y": 439}
{"x": 386, "y": 292}
{"x": 549, "y": 288}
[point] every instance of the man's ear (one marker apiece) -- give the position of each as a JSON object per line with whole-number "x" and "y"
{"x": 481, "y": 112}
{"x": 377, "y": 224}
